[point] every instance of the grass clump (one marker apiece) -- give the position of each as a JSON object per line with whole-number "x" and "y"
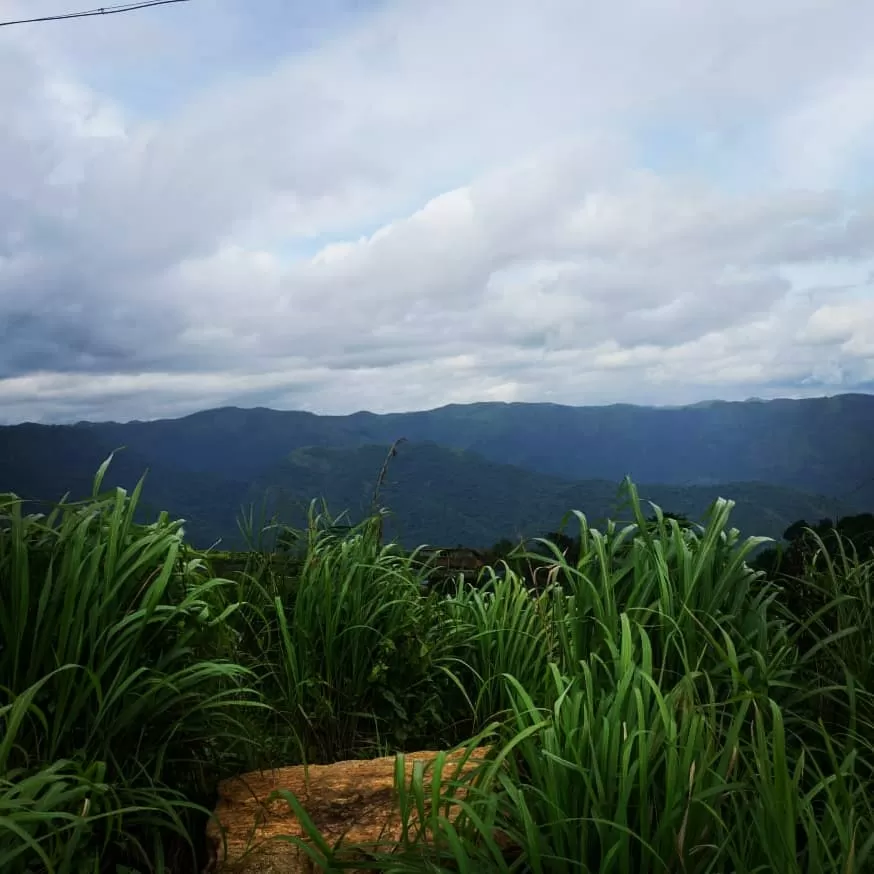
{"x": 348, "y": 652}
{"x": 116, "y": 705}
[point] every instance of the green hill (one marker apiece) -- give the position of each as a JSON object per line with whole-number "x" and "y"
{"x": 448, "y": 497}
{"x": 470, "y": 474}
{"x": 819, "y": 445}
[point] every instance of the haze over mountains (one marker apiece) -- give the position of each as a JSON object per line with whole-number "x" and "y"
{"x": 475, "y": 473}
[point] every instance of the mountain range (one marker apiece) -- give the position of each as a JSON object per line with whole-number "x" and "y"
{"x": 469, "y": 474}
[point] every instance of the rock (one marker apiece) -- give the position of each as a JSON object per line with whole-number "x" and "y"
{"x": 354, "y": 801}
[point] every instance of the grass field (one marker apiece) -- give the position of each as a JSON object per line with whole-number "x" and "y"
{"x": 655, "y": 705}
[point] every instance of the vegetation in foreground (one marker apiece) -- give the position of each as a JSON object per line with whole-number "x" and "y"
{"x": 652, "y": 703}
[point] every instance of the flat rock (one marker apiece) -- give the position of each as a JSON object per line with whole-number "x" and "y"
{"x": 352, "y": 801}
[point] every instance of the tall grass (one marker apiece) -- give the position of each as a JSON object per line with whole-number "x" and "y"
{"x": 114, "y": 722}
{"x": 499, "y": 628}
{"x": 655, "y": 717}
{"x": 831, "y": 612}
{"x": 651, "y": 703}
{"x": 348, "y": 652}
{"x": 619, "y": 775}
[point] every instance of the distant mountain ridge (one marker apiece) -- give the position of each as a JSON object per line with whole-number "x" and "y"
{"x": 818, "y": 444}
{"x": 471, "y": 472}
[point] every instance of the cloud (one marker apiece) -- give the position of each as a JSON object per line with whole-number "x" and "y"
{"x": 394, "y": 206}
{"x": 823, "y": 139}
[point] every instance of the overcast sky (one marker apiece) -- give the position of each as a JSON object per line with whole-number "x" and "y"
{"x": 348, "y": 204}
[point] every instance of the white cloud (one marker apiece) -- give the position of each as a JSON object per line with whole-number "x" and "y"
{"x": 425, "y": 203}
{"x": 823, "y": 139}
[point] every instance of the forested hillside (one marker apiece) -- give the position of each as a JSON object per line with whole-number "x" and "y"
{"x": 435, "y": 494}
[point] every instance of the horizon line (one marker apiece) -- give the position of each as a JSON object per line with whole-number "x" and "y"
{"x": 262, "y": 408}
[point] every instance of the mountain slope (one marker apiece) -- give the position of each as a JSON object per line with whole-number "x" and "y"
{"x": 43, "y": 463}
{"x": 771, "y": 457}
{"x": 436, "y": 495}
{"x": 818, "y": 445}
{"x": 448, "y": 497}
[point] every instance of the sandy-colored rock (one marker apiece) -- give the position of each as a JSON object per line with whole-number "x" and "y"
{"x": 352, "y": 801}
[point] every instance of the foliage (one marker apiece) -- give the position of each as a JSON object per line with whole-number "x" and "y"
{"x": 802, "y": 541}
{"x": 652, "y": 702}
{"x": 111, "y": 721}
{"x": 347, "y": 650}
{"x": 671, "y": 723}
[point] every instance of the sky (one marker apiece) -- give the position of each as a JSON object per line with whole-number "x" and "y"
{"x": 355, "y": 204}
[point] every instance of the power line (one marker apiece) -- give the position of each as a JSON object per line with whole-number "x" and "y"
{"x": 89, "y": 13}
